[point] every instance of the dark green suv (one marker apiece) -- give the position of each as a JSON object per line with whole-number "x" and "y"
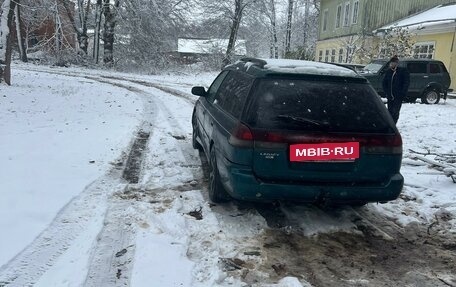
{"x": 429, "y": 79}
{"x": 296, "y": 130}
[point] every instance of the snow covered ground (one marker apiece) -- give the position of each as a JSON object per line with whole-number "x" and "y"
{"x": 69, "y": 218}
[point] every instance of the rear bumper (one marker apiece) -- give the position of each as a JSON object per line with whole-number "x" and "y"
{"x": 242, "y": 184}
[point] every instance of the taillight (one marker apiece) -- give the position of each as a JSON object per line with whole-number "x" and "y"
{"x": 384, "y": 144}
{"x": 241, "y": 136}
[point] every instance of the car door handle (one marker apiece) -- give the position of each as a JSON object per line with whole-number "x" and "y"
{"x": 425, "y": 76}
{"x": 212, "y": 124}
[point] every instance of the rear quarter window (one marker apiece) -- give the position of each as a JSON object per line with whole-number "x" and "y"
{"x": 417, "y": 68}
{"x": 434, "y": 68}
{"x": 233, "y": 92}
{"x": 307, "y": 105}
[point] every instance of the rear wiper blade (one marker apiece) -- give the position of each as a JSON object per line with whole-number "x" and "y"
{"x": 303, "y": 120}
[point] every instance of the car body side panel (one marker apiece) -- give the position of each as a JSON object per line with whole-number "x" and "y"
{"x": 220, "y": 125}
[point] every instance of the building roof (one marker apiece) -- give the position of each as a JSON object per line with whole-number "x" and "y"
{"x": 209, "y": 46}
{"x": 441, "y": 15}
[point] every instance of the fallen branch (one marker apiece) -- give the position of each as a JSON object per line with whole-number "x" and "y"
{"x": 447, "y": 168}
{"x": 433, "y": 153}
{"x": 433, "y": 162}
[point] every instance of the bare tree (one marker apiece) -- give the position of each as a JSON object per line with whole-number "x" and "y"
{"x": 80, "y": 27}
{"x": 288, "y": 29}
{"x": 58, "y": 30}
{"x": 110, "y": 13}
{"x": 34, "y": 15}
{"x": 306, "y": 29}
{"x": 226, "y": 9}
{"x": 6, "y": 25}
{"x": 272, "y": 16}
{"x": 19, "y": 34}
{"x": 396, "y": 41}
{"x": 96, "y": 38}
{"x": 239, "y": 6}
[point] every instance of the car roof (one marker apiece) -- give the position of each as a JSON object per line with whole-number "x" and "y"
{"x": 408, "y": 60}
{"x": 279, "y": 67}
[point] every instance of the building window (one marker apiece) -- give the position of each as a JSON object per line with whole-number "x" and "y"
{"x": 338, "y": 16}
{"x": 325, "y": 19}
{"x": 341, "y": 55}
{"x": 326, "y": 55}
{"x": 333, "y": 55}
{"x": 347, "y": 14}
{"x": 355, "y": 12}
{"x": 320, "y": 55}
{"x": 424, "y": 50}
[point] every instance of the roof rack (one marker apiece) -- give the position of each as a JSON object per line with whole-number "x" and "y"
{"x": 255, "y": 61}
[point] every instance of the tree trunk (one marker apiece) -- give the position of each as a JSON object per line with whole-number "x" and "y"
{"x": 58, "y": 28}
{"x": 274, "y": 30}
{"x": 6, "y": 25}
{"x": 306, "y": 25}
{"x": 96, "y": 39}
{"x": 108, "y": 34}
{"x": 83, "y": 38}
{"x": 81, "y": 32}
{"x": 288, "y": 31}
{"x": 233, "y": 34}
{"x": 19, "y": 29}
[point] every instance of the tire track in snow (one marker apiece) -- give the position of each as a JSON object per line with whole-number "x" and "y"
{"x": 170, "y": 135}
{"x": 112, "y": 257}
{"x": 29, "y": 265}
{"x": 114, "y": 252}
{"x": 165, "y": 88}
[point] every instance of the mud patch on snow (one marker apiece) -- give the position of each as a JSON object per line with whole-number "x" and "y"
{"x": 197, "y": 213}
{"x": 409, "y": 258}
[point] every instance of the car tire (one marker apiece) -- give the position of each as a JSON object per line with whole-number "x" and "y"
{"x": 217, "y": 192}
{"x": 195, "y": 143}
{"x": 430, "y": 96}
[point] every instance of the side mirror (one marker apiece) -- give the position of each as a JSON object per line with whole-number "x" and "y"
{"x": 199, "y": 91}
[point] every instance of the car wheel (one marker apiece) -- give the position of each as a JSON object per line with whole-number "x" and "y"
{"x": 195, "y": 143}
{"x": 431, "y": 96}
{"x": 217, "y": 192}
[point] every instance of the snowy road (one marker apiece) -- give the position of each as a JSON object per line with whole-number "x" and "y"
{"x": 153, "y": 225}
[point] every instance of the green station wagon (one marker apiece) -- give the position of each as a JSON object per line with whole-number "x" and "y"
{"x": 298, "y": 131}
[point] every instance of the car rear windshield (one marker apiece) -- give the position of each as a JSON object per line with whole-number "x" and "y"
{"x": 309, "y": 105}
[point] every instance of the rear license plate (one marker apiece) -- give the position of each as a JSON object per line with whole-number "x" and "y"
{"x": 325, "y": 152}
